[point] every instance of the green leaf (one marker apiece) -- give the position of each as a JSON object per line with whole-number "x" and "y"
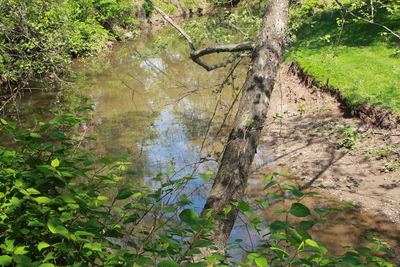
{"x": 280, "y": 211}
{"x": 4, "y": 121}
{"x": 93, "y": 246}
{"x": 5, "y": 260}
{"x": 282, "y": 175}
{"x": 32, "y": 191}
{"x": 278, "y": 225}
{"x": 45, "y": 169}
{"x": 299, "y": 210}
{"x": 43, "y": 200}
{"x": 311, "y": 243}
{"x": 261, "y": 262}
{"x": 227, "y": 209}
{"x": 268, "y": 177}
{"x": 204, "y": 176}
{"x": 363, "y": 250}
{"x": 321, "y": 212}
{"x": 84, "y": 233}
{"x": 42, "y": 245}
{"x": 253, "y": 255}
{"x": 243, "y": 206}
{"x": 124, "y": 193}
{"x": 108, "y": 160}
{"x": 202, "y": 243}
{"x": 296, "y": 192}
{"x": 168, "y": 209}
{"x": 248, "y": 213}
{"x": 56, "y": 227}
{"x": 307, "y": 224}
{"x": 55, "y": 163}
{"x": 50, "y": 256}
{"x": 270, "y": 184}
{"x": 144, "y": 260}
{"x": 257, "y": 220}
{"x": 263, "y": 203}
{"x": 273, "y": 196}
{"x": 20, "y": 250}
{"x": 131, "y": 218}
{"x": 35, "y": 135}
{"x": 46, "y": 265}
{"x": 189, "y": 216}
{"x": 168, "y": 263}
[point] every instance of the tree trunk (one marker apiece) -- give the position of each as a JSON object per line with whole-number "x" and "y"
{"x": 231, "y": 180}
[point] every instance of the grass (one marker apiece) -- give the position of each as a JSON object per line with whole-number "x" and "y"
{"x": 360, "y": 61}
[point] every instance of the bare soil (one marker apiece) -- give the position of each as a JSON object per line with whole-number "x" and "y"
{"x": 313, "y": 137}
{"x": 304, "y": 133}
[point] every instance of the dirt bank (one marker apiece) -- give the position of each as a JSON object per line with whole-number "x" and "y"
{"x": 316, "y": 139}
{"x": 366, "y": 112}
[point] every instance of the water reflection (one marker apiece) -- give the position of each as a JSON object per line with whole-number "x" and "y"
{"x": 153, "y": 107}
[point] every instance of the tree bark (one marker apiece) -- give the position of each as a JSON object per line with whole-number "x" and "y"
{"x": 231, "y": 179}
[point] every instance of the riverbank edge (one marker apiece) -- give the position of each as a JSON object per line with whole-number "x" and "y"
{"x": 368, "y": 113}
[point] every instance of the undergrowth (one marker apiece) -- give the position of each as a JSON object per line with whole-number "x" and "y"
{"x": 37, "y": 37}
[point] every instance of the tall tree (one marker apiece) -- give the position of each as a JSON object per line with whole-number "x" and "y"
{"x": 231, "y": 179}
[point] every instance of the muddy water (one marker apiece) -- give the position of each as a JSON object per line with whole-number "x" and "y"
{"x": 157, "y": 107}
{"x": 154, "y": 107}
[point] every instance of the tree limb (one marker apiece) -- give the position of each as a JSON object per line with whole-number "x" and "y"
{"x": 246, "y": 46}
{"x": 367, "y": 20}
{"x": 170, "y": 21}
{"x": 196, "y": 54}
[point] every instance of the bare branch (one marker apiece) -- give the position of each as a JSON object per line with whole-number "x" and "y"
{"x": 218, "y": 65}
{"x": 246, "y": 46}
{"x": 367, "y": 20}
{"x": 233, "y": 26}
{"x": 196, "y": 54}
{"x": 170, "y": 21}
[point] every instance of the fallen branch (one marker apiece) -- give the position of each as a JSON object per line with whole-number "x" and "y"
{"x": 195, "y": 55}
{"x": 246, "y": 46}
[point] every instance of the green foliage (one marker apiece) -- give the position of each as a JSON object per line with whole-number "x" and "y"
{"x": 62, "y": 206}
{"x": 383, "y": 152}
{"x": 356, "y": 57}
{"x": 288, "y": 242}
{"x": 37, "y": 37}
{"x": 350, "y": 137}
{"x": 226, "y": 25}
{"x": 390, "y": 154}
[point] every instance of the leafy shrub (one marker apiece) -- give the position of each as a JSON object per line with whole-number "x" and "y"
{"x": 37, "y": 37}
{"x": 60, "y": 206}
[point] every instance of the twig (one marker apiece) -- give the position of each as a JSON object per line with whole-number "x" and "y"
{"x": 367, "y": 20}
{"x": 195, "y": 55}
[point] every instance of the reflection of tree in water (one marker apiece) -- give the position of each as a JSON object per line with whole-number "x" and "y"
{"x": 128, "y": 135}
{"x": 195, "y": 124}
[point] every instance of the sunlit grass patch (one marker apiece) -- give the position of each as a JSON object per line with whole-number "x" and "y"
{"x": 361, "y": 61}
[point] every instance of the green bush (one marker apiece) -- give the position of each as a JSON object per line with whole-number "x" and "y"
{"x": 38, "y": 36}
